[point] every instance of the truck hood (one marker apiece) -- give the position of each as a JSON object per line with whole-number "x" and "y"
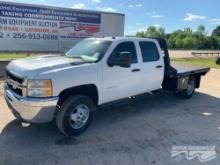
{"x": 32, "y": 66}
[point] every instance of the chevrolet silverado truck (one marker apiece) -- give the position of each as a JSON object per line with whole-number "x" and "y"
{"x": 95, "y": 72}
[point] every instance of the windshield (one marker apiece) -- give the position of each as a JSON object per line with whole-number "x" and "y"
{"x": 90, "y": 50}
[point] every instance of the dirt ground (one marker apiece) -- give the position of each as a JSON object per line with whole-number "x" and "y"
{"x": 141, "y": 132}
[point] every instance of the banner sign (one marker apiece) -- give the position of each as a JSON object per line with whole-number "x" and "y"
{"x": 24, "y": 27}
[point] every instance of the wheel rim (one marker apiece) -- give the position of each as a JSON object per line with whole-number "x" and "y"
{"x": 190, "y": 87}
{"x": 79, "y": 116}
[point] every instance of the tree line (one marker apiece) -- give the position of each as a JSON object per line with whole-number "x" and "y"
{"x": 186, "y": 38}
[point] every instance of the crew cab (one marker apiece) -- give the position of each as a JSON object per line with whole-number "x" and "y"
{"x": 96, "y": 71}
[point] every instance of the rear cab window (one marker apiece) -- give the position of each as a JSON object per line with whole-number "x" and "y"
{"x": 149, "y": 51}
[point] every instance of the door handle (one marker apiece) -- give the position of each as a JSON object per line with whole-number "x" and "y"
{"x": 136, "y": 70}
{"x": 159, "y": 66}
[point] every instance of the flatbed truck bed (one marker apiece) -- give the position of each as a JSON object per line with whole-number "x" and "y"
{"x": 187, "y": 69}
{"x": 177, "y": 75}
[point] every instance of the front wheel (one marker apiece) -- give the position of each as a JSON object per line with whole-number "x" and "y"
{"x": 189, "y": 91}
{"x": 75, "y": 115}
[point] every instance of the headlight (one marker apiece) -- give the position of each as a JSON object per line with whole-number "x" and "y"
{"x": 39, "y": 88}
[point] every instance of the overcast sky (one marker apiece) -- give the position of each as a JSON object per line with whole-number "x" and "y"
{"x": 170, "y": 14}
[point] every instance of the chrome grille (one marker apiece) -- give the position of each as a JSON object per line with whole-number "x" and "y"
{"x": 15, "y": 83}
{"x": 14, "y": 78}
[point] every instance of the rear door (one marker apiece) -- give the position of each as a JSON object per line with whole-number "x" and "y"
{"x": 119, "y": 82}
{"x": 152, "y": 66}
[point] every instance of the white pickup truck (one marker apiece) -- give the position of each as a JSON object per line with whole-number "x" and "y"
{"x": 94, "y": 72}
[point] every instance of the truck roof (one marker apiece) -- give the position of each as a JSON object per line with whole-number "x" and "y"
{"x": 124, "y": 39}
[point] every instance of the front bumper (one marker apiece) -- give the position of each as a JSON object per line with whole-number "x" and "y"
{"x": 30, "y": 109}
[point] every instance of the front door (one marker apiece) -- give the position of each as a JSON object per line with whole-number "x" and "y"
{"x": 119, "y": 82}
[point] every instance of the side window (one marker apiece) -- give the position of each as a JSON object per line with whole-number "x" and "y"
{"x": 125, "y": 47}
{"x": 149, "y": 51}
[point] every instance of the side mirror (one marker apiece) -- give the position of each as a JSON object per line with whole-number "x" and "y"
{"x": 123, "y": 60}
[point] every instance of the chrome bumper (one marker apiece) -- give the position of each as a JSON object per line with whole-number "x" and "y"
{"x": 29, "y": 109}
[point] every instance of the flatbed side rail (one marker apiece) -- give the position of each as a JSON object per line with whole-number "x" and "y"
{"x": 202, "y": 72}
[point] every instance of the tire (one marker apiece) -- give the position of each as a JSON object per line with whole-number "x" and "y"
{"x": 218, "y": 61}
{"x": 75, "y": 115}
{"x": 190, "y": 90}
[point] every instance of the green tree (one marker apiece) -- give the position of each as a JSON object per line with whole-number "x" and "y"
{"x": 187, "y": 31}
{"x": 216, "y": 38}
{"x": 201, "y": 38}
{"x": 140, "y": 34}
{"x": 216, "y": 32}
{"x": 201, "y": 29}
{"x": 152, "y": 31}
{"x": 186, "y": 38}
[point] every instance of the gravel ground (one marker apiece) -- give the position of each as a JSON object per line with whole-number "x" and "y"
{"x": 141, "y": 132}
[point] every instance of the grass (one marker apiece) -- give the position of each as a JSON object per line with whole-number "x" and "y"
{"x": 11, "y": 56}
{"x": 205, "y": 61}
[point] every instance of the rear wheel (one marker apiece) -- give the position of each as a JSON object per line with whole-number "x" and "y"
{"x": 75, "y": 115}
{"x": 218, "y": 61}
{"x": 189, "y": 91}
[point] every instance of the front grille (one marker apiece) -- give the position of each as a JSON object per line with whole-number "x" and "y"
{"x": 14, "y": 78}
{"x": 14, "y": 83}
{"x": 17, "y": 90}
